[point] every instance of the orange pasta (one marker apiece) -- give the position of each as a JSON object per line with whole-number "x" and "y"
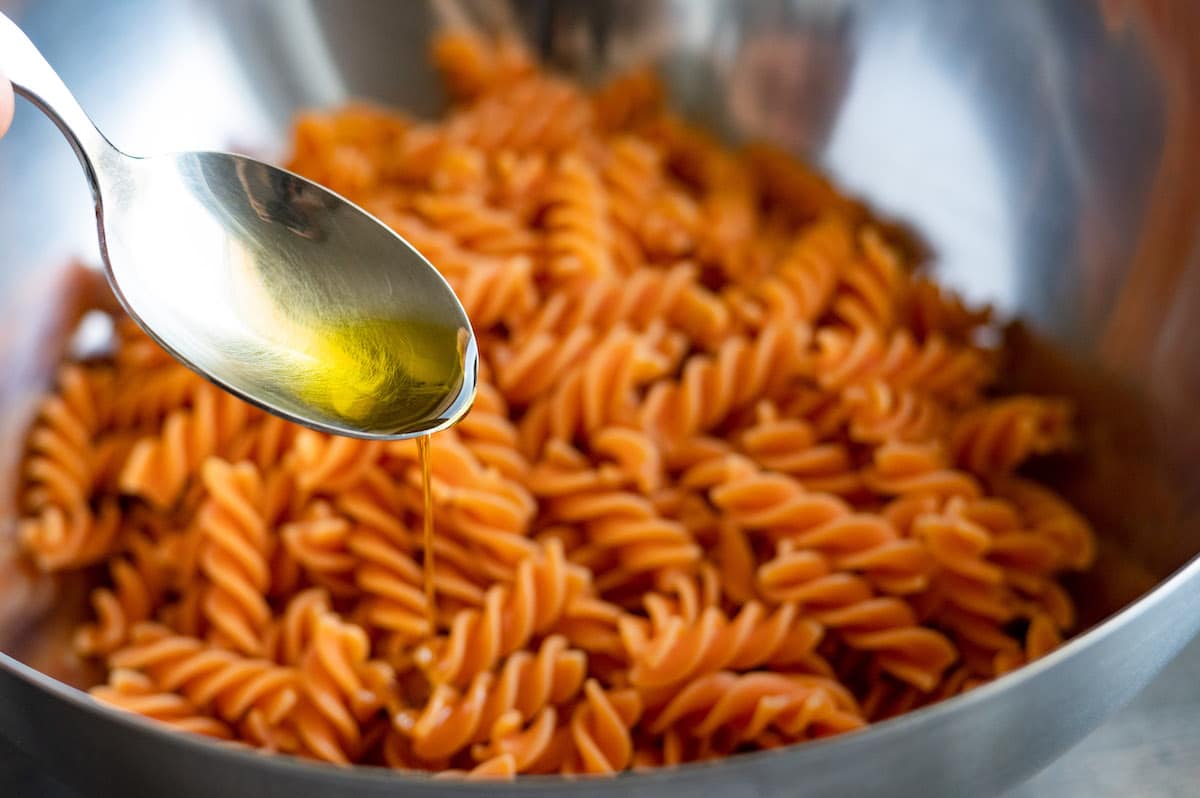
{"x": 736, "y": 478}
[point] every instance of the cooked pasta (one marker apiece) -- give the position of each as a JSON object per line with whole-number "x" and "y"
{"x": 737, "y": 475}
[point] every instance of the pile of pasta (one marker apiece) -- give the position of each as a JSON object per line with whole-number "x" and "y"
{"x": 736, "y": 476}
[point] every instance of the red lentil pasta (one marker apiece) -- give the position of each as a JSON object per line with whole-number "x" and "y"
{"x": 737, "y": 476}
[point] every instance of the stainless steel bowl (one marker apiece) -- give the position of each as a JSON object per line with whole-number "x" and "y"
{"x": 1046, "y": 153}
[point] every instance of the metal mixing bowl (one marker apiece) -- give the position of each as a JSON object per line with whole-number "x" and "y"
{"x": 1046, "y": 153}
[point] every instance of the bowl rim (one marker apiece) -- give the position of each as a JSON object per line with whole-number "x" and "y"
{"x": 798, "y": 753}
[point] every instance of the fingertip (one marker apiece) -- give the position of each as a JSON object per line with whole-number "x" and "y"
{"x": 6, "y": 105}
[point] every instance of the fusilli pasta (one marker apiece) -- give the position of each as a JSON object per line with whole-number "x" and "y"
{"x": 737, "y": 475}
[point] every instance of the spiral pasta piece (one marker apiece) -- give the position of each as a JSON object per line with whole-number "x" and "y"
{"x": 533, "y": 366}
{"x": 476, "y": 504}
{"x": 139, "y": 580}
{"x": 710, "y": 387}
{"x": 158, "y": 467}
{"x": 681, "y": 649}
{"x": 234, "y": 555}
{"x": 639, "y": 300}
{"x": 662, "y": 221}
{"x": 791, "y": 446}
{"x": 340, "y": 689}
{"x": 592, "y": 624}
{"x": 61, "y": 465}
{"x": 133, "y": 692}
{"x": 1051, "y": 518}
{"x": 317, "y": 542}
{"x": 476, "y": 226}
{"x": 824, "y": 547}
{"x": 535, "y": 113}
{"x": 917, "y": 468}
{"x": 495, "y": 705}
{"x": 60, "y": 539}
{"x": 936, "y": 366}
{"x": 490, "y": 434}
{"x": 883, "y": 625}
{"x": 796, "y": 707}
{"x": 600, "y": 729}
{"x": 329, "y": 464}
{"x": 291, "y": 631}
{"x": 600, "y": 391}
{"x": 802, "y": 284}
{"x": 618, "y": 522}
{"x": 350, "y": 152}
{"x": 539, "y": 747}
{"x": 576, "y": 221}
{"x": 991, "y": 575}
{"x": 1000, "y": 435}
{"x": 143, "y": 398}
{"x": 877, "y": 414}
{"x": 867, "y": 290}
{"x": 390, "y": 585}
{"x": 265, "y": 444}
{"x": 510, "y": 616}
{"x": 222, "y": 682}
{"x": 495, "y": 291}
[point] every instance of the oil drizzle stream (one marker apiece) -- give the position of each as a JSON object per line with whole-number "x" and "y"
{"x": 427, "y": 489}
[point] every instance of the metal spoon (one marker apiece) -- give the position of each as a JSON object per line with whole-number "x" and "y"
{"x": 271, "y": 286}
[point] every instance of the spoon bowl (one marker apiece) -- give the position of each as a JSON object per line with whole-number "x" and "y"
{"x": 266, "y": 283}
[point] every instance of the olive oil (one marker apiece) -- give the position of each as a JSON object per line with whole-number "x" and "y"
{"x": 386, "y": 366}
{"x": 382, "y": 374}
{"x": 423, "y": 447}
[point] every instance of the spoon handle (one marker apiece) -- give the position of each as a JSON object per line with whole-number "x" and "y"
{"x": 36, "y": 80}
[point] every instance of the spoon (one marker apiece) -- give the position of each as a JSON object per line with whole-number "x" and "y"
{"x": 269, "y": 285}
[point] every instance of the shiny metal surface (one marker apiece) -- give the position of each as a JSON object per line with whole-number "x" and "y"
{"x": 1149, "y": 748}
{"x": 266, "y": 283}
{"x": 1044, "y": 153}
